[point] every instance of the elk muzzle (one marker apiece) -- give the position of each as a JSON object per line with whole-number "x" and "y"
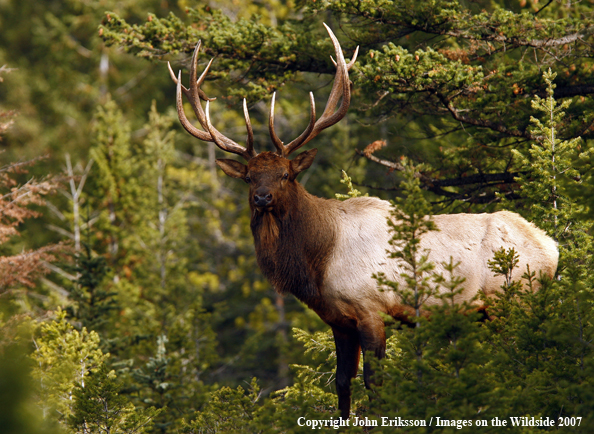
{"x": 262, "y": 197}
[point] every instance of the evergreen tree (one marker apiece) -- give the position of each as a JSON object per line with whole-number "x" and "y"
{"x": 100, "y": 408}
{"x": 65, "y": 71}
{"x": 64, "y": 357}
{"x": 114, "y": 184}
{"x": 411, "y": 218}
{"x": 544, "y": 334}
{"x": 19, "y": 412}
{"x": 549, "y": 175}
{"x": 92, "y": 300}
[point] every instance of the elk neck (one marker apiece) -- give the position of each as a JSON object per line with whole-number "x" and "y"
{"x": 294, "y": 242}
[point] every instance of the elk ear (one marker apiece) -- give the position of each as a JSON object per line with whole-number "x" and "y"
{"x": 232, "y": 168}
{"x": 303, "y": 161}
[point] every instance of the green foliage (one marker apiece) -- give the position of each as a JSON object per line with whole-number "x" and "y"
{"x": 236, "y": 41}
{"x": 157, "y": 386}
{"x": 64, "y": 357}
{"x": 115, "y": 184}
{"x": 503, "y": 263}
{"x": 410, "y": 219}
{"x": 551, "y": 173}
{"x": 92, "y": 299}
{"x": 561, "y": 311}
{"x": 18, "y": 410}
{"x": 65, "y": 71}
{"x": 443, "y": 367}
{"x": 540, "y": 336}
{"x": 316, "y": 378}
{"x": 228, "y": 411}
{"x": 352, "y": 191}
{"x": 100, "y": 408}
{"x": 439, "y": 361}
{"x": 450, "y": 366}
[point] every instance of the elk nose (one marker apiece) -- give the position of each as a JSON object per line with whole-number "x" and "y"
{"x": 262, "y": 200}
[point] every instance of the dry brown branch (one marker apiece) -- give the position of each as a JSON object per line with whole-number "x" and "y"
{"x": 24, "y": 268}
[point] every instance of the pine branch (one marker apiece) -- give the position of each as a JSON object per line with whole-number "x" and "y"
{"x": 475, "y": 195}
{"x": 482, "y": 122}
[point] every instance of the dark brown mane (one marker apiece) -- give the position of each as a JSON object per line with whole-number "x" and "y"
{"x": 293, "y": 244}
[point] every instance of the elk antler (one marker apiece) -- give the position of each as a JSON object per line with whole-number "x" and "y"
{"x": 340, "y": 88}
{"x": 211, "y": 134}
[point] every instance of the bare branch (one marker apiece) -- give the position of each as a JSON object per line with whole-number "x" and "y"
{"x": 478, "y": 183}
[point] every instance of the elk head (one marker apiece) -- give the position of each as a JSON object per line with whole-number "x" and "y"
{"x": 269, "y": 175}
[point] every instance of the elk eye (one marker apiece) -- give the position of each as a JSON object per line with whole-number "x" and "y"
{"x": 286, "y": 176}
{"x": 247, "y": 179}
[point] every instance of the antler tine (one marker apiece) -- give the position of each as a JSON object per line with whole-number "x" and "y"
{"x": 193, "y": 73}
{"x": 352, "y": 62}
{"x": 199, "y": 134}
{"x": 225, "y": 143}
{"x": 340, "y": 89}
{"x": 186, "y": 91}
{"x": 194, "y": 93}
{"x": 210, "y": 128}
{"x": 278, "y": 143}
{"x": 286, "y": 150}
{"x": 174, "y": 78}
{"x": 250, "y": 131}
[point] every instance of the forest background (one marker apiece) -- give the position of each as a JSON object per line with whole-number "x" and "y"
{"x": 130, "y": 299}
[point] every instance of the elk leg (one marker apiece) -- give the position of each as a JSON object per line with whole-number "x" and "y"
{"x": 347, "y": 355}
{"x": 372, "y": 337}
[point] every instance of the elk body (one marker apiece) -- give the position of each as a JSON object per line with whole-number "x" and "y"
{"x": 325, "y": 251}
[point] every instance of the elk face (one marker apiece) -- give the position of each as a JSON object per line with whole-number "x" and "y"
{"x": 270, "y": 177}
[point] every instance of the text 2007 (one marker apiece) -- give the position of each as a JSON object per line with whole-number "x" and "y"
{"x": 569, "y": 421}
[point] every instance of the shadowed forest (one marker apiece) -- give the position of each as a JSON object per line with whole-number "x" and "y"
{"x": 130, "y": 296}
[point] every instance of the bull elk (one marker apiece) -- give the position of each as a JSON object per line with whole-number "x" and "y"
{"x": 324, "y": 251}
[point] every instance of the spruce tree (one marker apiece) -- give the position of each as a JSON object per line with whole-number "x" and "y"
{"x": 543, "y": 327}
{"x": 93, "y": 301}
{"x": 439, "y": 368}
{"x": 64, "y": 357}
{"x": 410, "y": 219}
{"x": 99, "y": 407}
